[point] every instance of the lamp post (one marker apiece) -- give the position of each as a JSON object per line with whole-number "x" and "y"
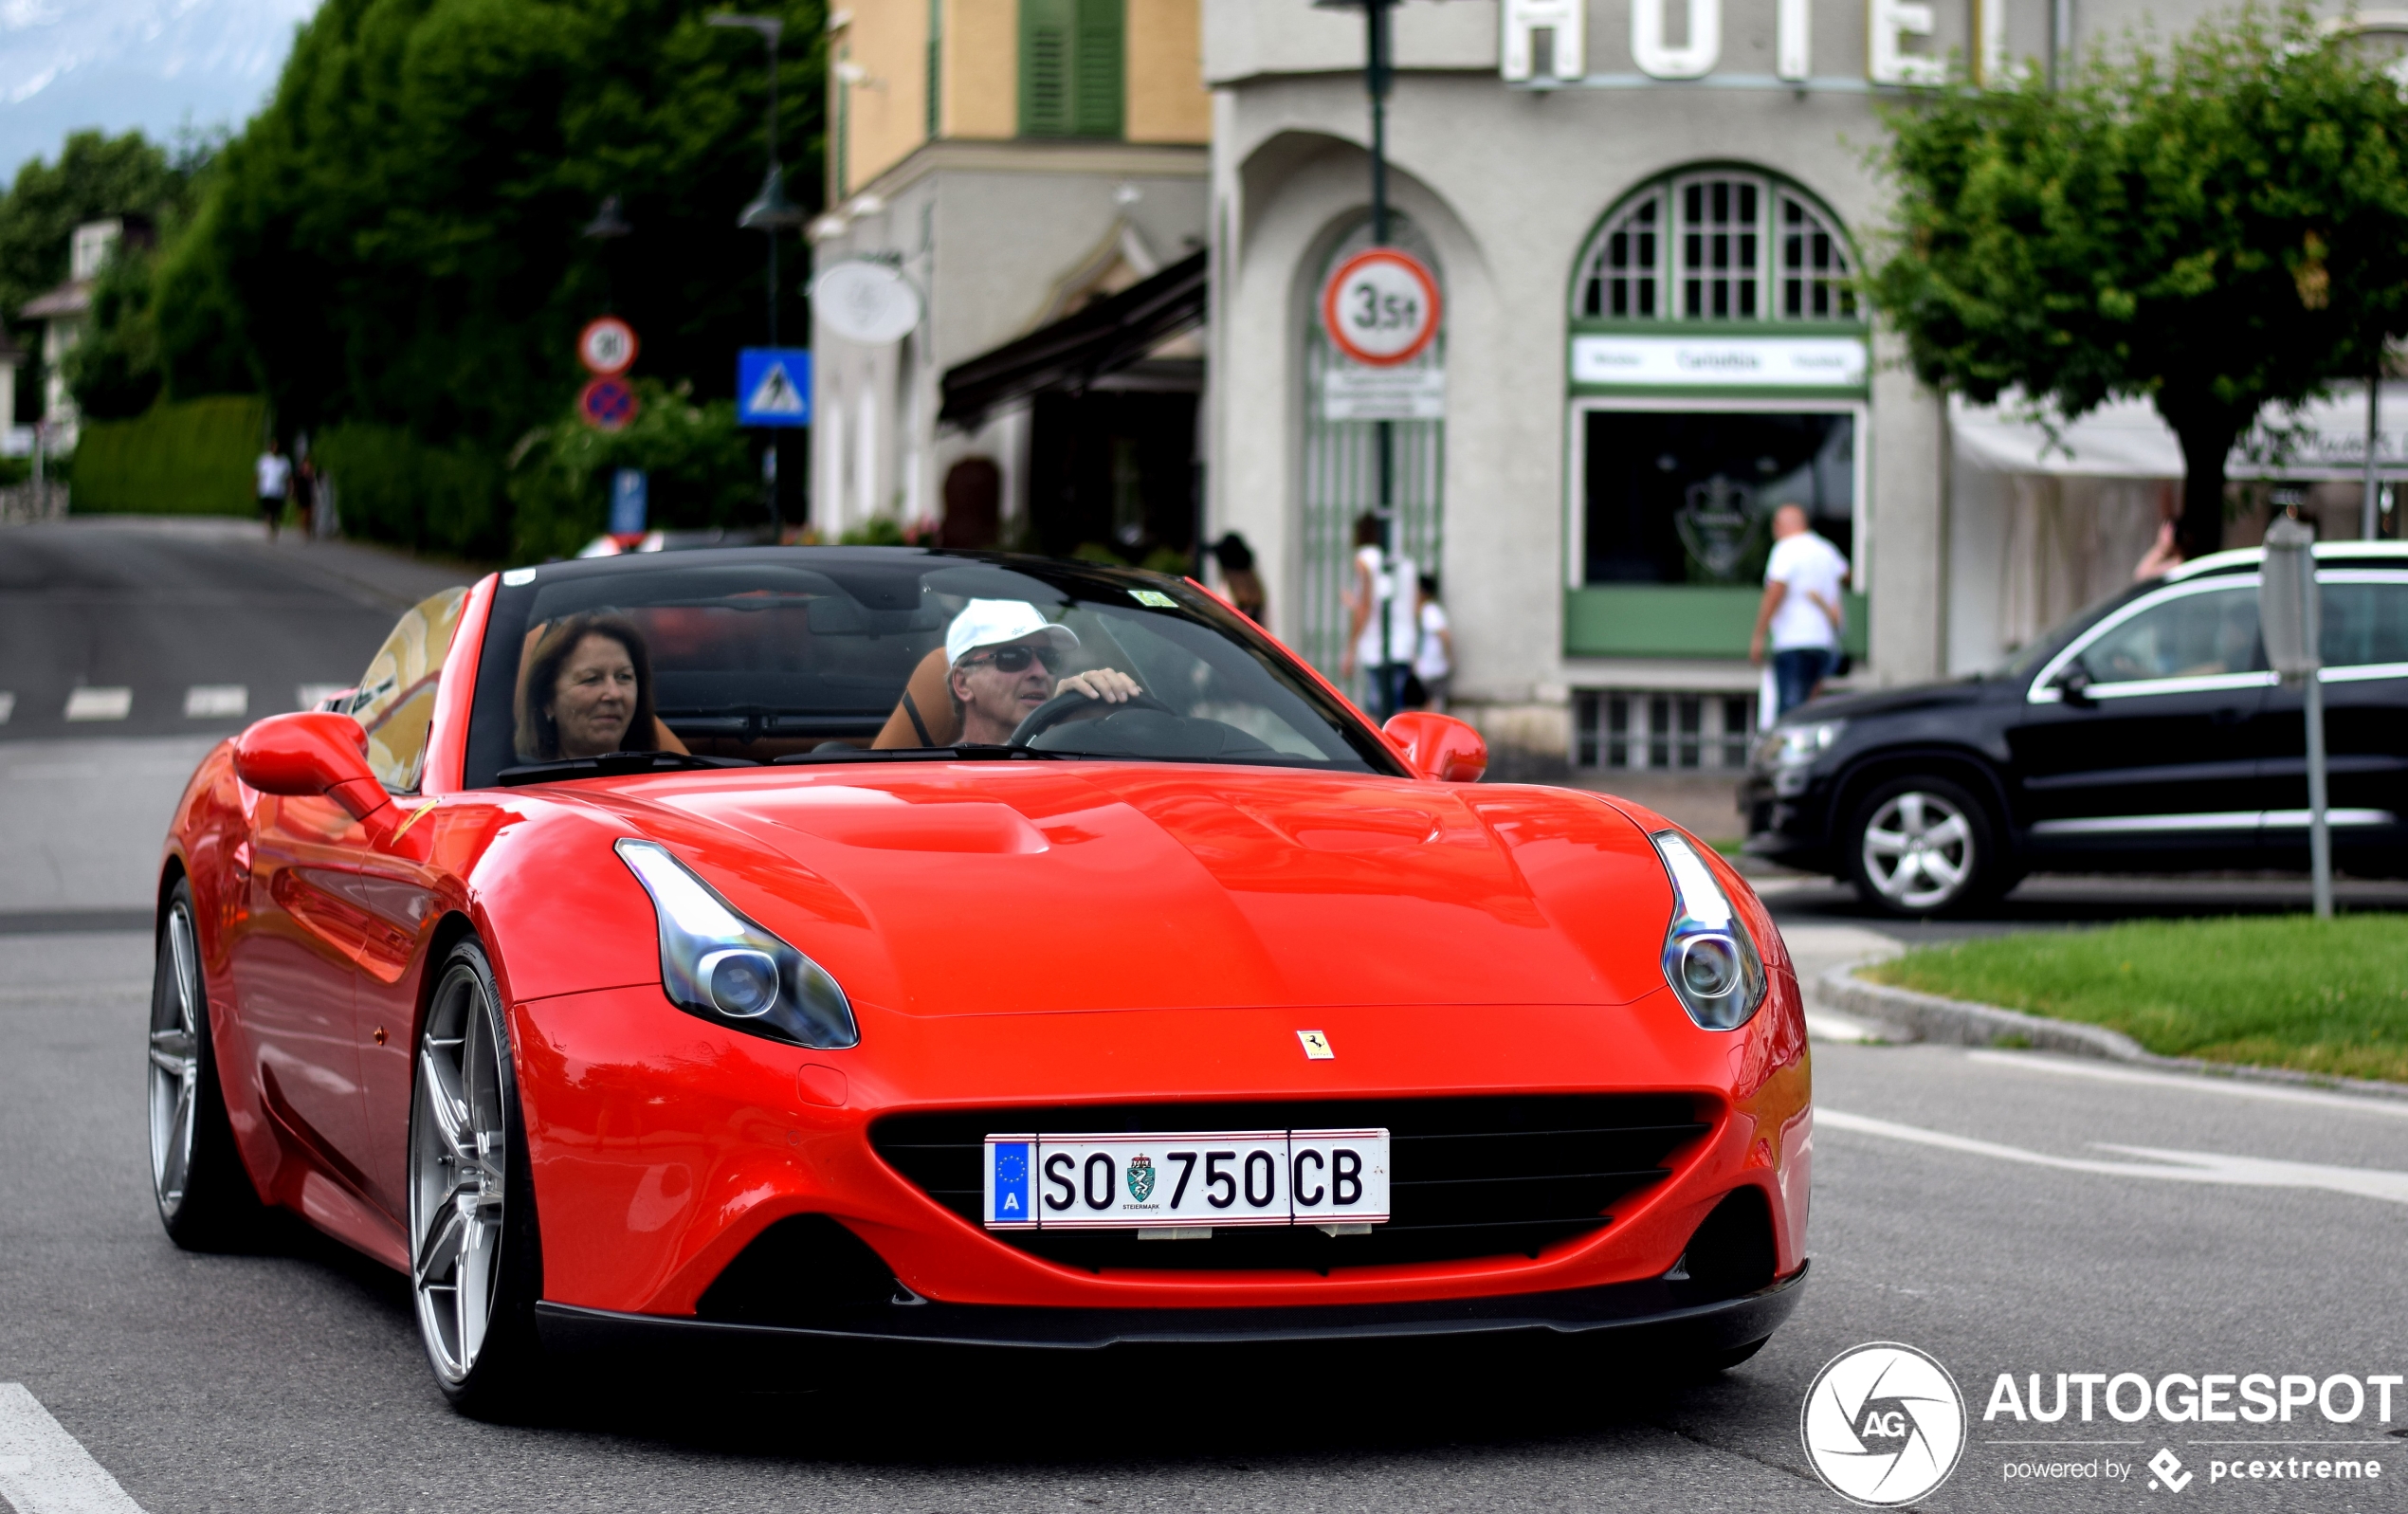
{"x": 1377, "y": 74}
{"x": 770, "y": 211}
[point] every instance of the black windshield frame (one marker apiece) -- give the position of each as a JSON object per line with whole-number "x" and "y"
{"x": 493, "y": 716}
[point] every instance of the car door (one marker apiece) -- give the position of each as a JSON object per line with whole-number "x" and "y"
{"x": 2364, "y": 648}
{"x": 291, "y": 952}
{"x": 2139, "y": 736}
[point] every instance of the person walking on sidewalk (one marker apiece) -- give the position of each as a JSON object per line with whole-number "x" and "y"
{"x": 1380, "y": 646}
{"x": 1434, "y": 661}
{"x": 1800, "y": 612}
{"x": 275, "y": 483}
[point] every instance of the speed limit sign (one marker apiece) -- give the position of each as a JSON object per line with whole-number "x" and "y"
{"x": 1380, "y": 307}
{"x": 607, "y": 347}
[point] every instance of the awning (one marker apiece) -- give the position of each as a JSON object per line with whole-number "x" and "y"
{"x": 1111, "y": 334}
{"x": 2127, "y": 439}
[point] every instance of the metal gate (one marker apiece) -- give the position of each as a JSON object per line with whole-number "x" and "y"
{"x": 1342, "y": 472}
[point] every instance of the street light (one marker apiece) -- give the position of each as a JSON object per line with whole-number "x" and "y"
{"x": 770, "y": 211}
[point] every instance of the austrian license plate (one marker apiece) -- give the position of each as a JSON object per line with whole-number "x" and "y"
{"x": 1184, "y": 1182}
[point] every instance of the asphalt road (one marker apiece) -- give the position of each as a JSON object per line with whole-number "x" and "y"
{"x": 2007, "y": 1212}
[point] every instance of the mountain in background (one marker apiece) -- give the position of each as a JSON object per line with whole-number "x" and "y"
{"x": 160, "y": 65}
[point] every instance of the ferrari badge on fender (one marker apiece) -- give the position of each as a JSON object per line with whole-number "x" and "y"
{"x": 1316, "y": 1046}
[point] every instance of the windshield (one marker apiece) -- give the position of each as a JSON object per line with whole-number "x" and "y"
{"x": 812, "y": 655}
{"x": 2026, "y": 660}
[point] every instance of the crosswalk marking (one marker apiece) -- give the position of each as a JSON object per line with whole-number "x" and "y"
{"x": 100, "y": 704}
{"x": 8, "y": 705}
{"x": 46, "y": 1470}
{"x": 212, "y": 702}
{"x": 311, "y": 695}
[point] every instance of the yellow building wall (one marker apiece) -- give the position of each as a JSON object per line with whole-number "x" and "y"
{"x": 982, "y": 69}
{"x": 887, "y": 108}
{"x": 1165, "y": 99}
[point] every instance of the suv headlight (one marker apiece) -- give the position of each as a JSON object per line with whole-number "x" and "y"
{"x": 1709, "y": 958}
{"x": 719, "y": 966}
{"x": 1794, "y": 746}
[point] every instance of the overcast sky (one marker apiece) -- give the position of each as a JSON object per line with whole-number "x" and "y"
{"x": 158, "y": 65}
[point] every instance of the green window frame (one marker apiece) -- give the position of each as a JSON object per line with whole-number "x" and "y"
{"x": 1073, "y": 68}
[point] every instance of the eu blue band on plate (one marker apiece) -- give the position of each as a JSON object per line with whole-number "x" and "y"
{"x": 1011, "y": 1187}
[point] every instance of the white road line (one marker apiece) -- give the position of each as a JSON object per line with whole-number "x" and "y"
{"x": 2192, "y": 1083}
{"x": 309, "y": 696}
{"x": 8, "y": 705}
{"x": 2187, "y": 1166}
{"x": 100, "y": 704}
{"x": 46, "y": 1470}
{"x": 213, "y": 702}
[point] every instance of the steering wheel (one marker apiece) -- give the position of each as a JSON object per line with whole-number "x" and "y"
{"x": 1053, "y": 711}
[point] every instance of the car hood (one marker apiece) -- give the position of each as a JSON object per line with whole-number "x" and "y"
{"x": 1005, "y": 889}
{"x": 1908, "y": 700}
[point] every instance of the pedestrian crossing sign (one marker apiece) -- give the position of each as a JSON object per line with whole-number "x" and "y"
{"x": 773, "y": 386}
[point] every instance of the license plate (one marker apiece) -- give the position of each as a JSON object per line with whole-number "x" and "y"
{"x": 1197, "y": 1179}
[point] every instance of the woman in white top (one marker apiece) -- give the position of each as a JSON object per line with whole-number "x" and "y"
{"x": 1433, "y": 661}
{"x": 1374, "y": 570}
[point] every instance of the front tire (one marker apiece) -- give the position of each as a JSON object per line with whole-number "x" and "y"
{"x": 1922, "y": 845}
{"x": 205, "y": 1199}
{"x": 476, "y": 1265}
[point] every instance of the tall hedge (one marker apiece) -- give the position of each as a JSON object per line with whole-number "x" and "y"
{"x": 190, "y": 457}
{"x": 390, "y": 486}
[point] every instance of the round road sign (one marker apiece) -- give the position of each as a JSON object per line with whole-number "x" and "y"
{"x": 1380, "y": 307}
{"x": 607, "y": 404}
{"x": 607, "y": 347}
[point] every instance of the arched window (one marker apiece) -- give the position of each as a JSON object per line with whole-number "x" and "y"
{"x": 1717, "y": 244}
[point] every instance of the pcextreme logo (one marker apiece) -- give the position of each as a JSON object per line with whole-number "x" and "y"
{"x": 1884, "y": 1424}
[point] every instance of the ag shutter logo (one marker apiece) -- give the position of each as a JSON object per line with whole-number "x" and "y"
{"x": 1884, "y": 1424}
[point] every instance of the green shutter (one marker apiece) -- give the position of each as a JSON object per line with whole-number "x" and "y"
{"x": 1099, "y": 65}
{"x": 936, "y": 65}
{"x": 1045, "y": 68}
{"x": 1072, "y": 62}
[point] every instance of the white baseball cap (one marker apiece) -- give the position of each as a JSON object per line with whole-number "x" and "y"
{"x": 995, "y": 622}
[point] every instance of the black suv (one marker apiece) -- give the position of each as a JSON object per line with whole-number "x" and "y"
{"x": 2143, "y": 734}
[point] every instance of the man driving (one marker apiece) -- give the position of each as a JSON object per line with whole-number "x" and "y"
{"x": 1001, "y": 655}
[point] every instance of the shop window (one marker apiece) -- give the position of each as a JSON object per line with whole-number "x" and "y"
{"x": 1661, "y": 730}
{"x": 1688, "y": 497}
{"x": 1725, "y": 246}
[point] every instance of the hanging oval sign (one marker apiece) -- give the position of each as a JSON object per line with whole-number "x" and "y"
{"x": 865, "y": 302}
{"x": 1380, "y": 307}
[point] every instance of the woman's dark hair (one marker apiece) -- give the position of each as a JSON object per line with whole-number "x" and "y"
{"x": 539, "y": 735}
{"x": 1367, "y": 532}
{"x": 1232, "y": 553}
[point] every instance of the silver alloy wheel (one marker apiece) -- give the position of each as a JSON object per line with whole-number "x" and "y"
{"x": 1917, "y": 850}
{"x": 175, "y": 1062}
{"x": 458, "y": 1165}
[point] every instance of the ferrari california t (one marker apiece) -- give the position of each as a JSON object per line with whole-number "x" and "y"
{"x": 757, "y": 948}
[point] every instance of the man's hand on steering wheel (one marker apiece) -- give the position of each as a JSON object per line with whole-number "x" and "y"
{"x": 1109, "y": 684}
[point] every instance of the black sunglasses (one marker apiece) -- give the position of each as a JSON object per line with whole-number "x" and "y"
{"x": 1015, "y": 659}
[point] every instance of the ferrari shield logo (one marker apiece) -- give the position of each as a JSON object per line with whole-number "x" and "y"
{"x": 1141, "y": 1177}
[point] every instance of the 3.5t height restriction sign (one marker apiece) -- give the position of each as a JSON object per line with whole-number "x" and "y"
{"x": 1380, "y": 307}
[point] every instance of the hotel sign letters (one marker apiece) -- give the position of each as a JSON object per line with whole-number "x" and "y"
{"x": 1547, "y": 39}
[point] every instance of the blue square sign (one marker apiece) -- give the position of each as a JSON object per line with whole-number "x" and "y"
{"x": 773, "y": 386}
{"x": 1011, "y": 1195}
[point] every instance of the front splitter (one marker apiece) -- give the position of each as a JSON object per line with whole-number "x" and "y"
{"x": 1655, "y": 1313}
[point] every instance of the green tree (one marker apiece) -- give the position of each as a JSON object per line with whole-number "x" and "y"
{"x": 2217, "y": 229}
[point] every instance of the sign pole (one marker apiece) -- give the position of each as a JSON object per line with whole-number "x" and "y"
{"x": 2291, "y": 620}
{"x": 1375, "y": 80}
{"x": 2368, "y": 510}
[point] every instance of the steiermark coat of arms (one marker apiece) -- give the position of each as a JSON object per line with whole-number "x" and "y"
{"x": 1140, "y": 1178}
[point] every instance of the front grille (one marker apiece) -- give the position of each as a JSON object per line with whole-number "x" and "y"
{"x": 1468, "y": 1177}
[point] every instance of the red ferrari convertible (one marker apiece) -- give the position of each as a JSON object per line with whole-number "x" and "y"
{"x": 757, "y": 948}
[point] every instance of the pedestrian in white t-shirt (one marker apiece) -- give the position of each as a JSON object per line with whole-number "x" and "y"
{"x": 1434, "y": 661}
{"x": 1800, "y": 613}
{"x": 1380, "y": 576}
{"x": 275, "y": 481}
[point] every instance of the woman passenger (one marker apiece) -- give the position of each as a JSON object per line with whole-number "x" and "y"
{"x": 587, "y": 691}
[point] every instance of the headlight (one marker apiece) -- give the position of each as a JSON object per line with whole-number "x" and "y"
{"x": 1708, "y": 959}
{"x": 718, "y": 966}
{"x": 1794, "y": 746}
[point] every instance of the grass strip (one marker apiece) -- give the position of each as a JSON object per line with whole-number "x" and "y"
{"x": 2284, "y": 991}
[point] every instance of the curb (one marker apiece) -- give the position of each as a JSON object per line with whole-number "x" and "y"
{"x": 1955, "y": 1022}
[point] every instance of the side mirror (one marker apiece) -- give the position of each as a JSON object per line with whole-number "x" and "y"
{"x": 2073, "y": 685}
{"x": 1439, "y": 746}
{"x": 311, "y": 753}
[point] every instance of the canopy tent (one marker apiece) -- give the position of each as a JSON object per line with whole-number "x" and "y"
{"x": 2125, "y": 439}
